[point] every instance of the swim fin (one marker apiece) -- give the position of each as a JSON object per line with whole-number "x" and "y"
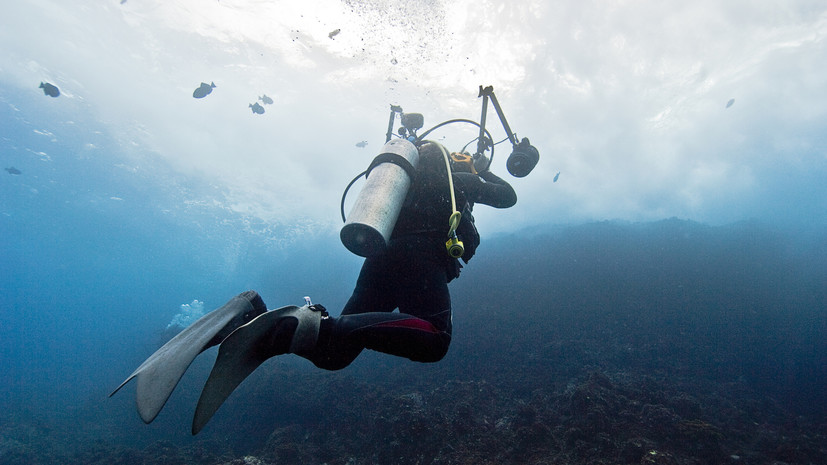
{"x": 288, "y": 329}
{"x": 160, "y": 373}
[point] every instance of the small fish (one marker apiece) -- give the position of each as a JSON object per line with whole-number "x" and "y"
{"x": 203, "y": 90}
{"x": 266, "y": 100}
{"x": 49, "y": 89}
{"x": 731, "y": 101}
{"x": 13, "y": 170}
{"x": 334, "y": 33}
{"x": 258, "y": 109}
{"x": 556, "y": 177}
{"x": 362, "y": 144}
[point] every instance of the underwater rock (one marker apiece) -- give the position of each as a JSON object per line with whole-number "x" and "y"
{"x": 203, "y": 90}
{"x": 50, "y": 89}
{"x": 247, "y": 460}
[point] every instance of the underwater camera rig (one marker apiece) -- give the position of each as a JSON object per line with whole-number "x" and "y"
{"x": 520, "y": 163}
{"x": 372, "y": 219}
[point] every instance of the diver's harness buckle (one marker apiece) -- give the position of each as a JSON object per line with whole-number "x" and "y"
{"x": 321, "y": 310}
{"x": 316, "y": 308}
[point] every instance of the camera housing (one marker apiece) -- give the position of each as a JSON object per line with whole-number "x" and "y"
{"x": 413, "y": 121}
{"x": 523, "y": 159}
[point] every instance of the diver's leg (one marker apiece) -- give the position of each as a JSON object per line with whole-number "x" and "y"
{"x": 397, "y": 334}
{"x": 420, "y": 332}
{"x": 423, "y": 333}
{"x": 373, "y": 292}
{"x": 375, "y": 289}
{"x": 290, "y": 330}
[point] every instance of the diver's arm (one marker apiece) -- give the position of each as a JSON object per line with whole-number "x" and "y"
{"x": 487, "y": 188}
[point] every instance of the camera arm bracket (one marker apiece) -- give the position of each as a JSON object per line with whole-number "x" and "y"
{"x": 488, "y": 93}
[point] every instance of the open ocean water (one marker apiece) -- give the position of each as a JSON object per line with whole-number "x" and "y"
{"x": 658, "y": 295}
{"x": 611, "y": 342}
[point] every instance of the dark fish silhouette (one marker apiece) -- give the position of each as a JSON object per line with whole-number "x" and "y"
{"x": 362, "y": 144}
{"x": 13, "y": 170}
{"x": 203, "y": 90}
{"x": 49, "y": 89}
{"x": 266, "y": 100}
{"x": 334, "y": 33}
{"x": 556, "y": 177}
{"x": 731, "y": 101}
{"x": 258, "y": 109}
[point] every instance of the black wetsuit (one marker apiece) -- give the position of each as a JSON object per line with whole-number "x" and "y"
{"x": 412, "y": 274}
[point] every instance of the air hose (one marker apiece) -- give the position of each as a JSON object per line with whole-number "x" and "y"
{"x": 454, "y": 246}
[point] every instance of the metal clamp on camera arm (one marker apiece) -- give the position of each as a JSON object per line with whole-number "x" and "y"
{"x": 394, "y": 110}
{"x": 524, "y": 156}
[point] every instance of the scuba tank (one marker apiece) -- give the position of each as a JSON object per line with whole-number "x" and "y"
{"x": 373, "y": 217}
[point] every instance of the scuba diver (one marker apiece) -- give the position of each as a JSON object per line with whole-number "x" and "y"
{"x": 408, "y": 265}
{"x": 412, "y": 273}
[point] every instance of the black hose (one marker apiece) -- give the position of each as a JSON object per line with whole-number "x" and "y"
{"x": 462, "y": 120}
{"x": 344, "y": 194}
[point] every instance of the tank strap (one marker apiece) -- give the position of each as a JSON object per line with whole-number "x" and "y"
{"x": 398, "y": 160}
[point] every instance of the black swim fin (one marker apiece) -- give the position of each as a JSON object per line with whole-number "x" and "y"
{"x": 285, "y": 330}
{"x": 160, "y": 373}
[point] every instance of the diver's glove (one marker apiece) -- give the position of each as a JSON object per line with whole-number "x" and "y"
{"x": 481, "y": 163}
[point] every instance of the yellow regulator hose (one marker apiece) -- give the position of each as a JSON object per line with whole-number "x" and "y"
{"x": 454, "y": 246}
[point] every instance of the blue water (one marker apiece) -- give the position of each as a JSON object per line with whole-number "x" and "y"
{"x": 97, "y": 258}
{"x": 100, "y": 251}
